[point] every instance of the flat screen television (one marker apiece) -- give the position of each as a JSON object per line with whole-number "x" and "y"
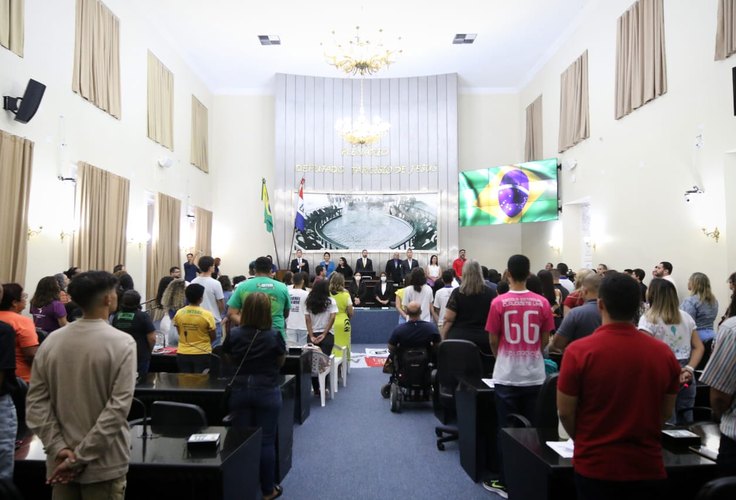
{"x": 509, "y": 194}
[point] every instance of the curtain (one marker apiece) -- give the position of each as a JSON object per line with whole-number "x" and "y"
{"x": 726, "y": 31}
{"x": 574, "y": 109}
{"x": 96, "y": 75}
{"x": 165, "y": 241}
{"x": 160, "y": 103}
{"x": 16, "y": 161}
{"x": 641, "y": 69}
{"x": 12, "y": 25}
{"x": 203, "y": 237}
{"x": 100, "y": 240}
{"x": 533, "y": 144}
{"x": 199, "y": 135}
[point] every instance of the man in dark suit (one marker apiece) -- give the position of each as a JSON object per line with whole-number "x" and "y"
{"x": 394, "y": 270}
{"x": 364, "y": 263}
{"x": 409, "y": 264}
{"x": 299, "y": 265}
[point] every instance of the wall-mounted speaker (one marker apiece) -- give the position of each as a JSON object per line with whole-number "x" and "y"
{"x": 24, "y": 108}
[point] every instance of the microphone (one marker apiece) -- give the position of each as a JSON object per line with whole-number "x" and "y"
{"x": 144, "y": 435}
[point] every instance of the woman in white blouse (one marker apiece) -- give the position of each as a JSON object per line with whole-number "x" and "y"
{"x": 433, "y": 271}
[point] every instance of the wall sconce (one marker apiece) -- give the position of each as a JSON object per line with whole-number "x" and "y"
{"x": 715, "y": 234}
{"x": 140, "y": 240}
{"x": 589, "y": 241}
{"x": 65, "y": 234}
{"x": 34, "y": 232}
{"x": 556, "y": 246}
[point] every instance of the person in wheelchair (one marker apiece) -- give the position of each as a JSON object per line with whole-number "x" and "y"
{"x": 409, "y": 336}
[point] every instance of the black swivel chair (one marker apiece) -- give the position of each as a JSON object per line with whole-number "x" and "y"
{"x": 718, "y": 489}
{"x": 174, "y": 419}
{"x": 456, "y": 359}
{"x": 545, "y": 409}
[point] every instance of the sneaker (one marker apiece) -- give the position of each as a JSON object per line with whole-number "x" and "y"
{"x": 496, "y": 486}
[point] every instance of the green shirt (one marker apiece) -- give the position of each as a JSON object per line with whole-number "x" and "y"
{"x": 277, "y": 292}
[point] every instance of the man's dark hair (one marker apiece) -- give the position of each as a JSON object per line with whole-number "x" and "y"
{"x": 227, "y": 285}
{"x": 297, "y": 279}
{"x": 71, "y": 272}
{"x": 237, "y": 279}
{"x": 639, "y": 273}
{"x": 125, "y": 281}
{"x": 519, "y": 267}
{"x": 131, "y": 301}
{"x": 563, "y": 269}
{"x": 667, "y": 265}
{"x": 494, "y": 276}
{"x": 205, "y": 263}
{"x": 190, "y": 254}
{"x": 174, "y": 268}
{"x": 118, "y": 267}
{"x": 318, "y": 270}
{"x": 194, "y": 293}
{"x": 447, "y": 276}
{"x": 263, "y": 265}
{"x": 621, "y": 295}
{"x": 417, "y": 278}
{"x": 13, "y": 292}
{"x": 628, "y": 271}
{"x": 87, "y": 288}
{"x": 484, "y": 272}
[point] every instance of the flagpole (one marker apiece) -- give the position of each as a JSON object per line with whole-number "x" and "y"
{"x": 293, "y": 231}
{"x": 266, "y": 199}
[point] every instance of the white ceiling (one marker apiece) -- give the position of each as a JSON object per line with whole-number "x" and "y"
{"x": 219, "y": 38}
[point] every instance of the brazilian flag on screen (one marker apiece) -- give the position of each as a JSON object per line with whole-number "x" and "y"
{"x": 526, "y": 192}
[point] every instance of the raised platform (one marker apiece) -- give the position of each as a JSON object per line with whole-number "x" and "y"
{"x": 373, "y": 325}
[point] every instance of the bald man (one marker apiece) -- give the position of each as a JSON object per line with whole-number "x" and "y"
{"x": 415, "y": 332}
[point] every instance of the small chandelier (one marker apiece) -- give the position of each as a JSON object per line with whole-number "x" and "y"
{"x": 362, "y": 131}
{"x": 359, "y": 56}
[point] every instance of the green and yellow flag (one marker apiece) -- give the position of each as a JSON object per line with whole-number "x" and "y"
{"x": 509, "y": 194}
{"x": 267, "y": 216}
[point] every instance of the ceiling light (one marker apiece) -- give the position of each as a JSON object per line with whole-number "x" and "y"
{"x": 269, "y": 39}
{"x": 463, "y": 38}
{"x": 359, "y": 56}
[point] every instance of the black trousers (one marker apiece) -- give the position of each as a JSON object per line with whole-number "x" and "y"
{"x": 192, "y": 363}
{"x": 326, "y": 347}
{"x": 598, "y": 489}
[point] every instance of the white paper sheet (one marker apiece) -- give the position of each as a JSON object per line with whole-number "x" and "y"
{"x": 488, "y": 382}
{"x": 563, "y": 448}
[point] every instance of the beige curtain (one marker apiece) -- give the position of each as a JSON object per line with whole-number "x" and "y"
{"x": 574, "y": 109}
{"x": 165, "y": 241}
{"x": 12, "y": 25}
{"x": 533, "y": 144}
{"x": 160, "y": 103}
{"x": 100, "y": 240}
{"x": 641, "y": 69}
{"x": 16, "y": 161}
{"x": 726, "y": 31}
{"x": 96, "y": 75}
{"x": 203, "y": 237}
{"x": 199, "y": 136}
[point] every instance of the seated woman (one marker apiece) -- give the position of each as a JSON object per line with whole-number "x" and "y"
{"x": 48, "y": 312}
{"x": 259, "y": 352}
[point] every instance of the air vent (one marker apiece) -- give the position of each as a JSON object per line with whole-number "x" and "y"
{"x": 269, "y": 39}
{"x": 463, "y": 38}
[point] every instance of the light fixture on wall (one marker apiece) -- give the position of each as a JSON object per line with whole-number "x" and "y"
{"x": 34, "y": 231}
{"x": 555, "y": 245}
{"x": 65, "y": 234}
{"x": 358, "y": 55}
{"x": 715, "y": 233}
{"x": 589, "y": 241}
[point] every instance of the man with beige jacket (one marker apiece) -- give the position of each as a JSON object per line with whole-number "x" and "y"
{"x": 81, "y": 389}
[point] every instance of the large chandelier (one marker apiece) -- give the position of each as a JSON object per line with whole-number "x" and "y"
{"x": 362, "y": 131}
{"x": 360, "y": 56}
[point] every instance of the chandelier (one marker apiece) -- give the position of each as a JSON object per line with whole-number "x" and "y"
{"x": 359, "y": 56}
{"x": 362, "y": 131}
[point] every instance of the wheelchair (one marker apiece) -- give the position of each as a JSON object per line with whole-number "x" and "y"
{"x": 411, "y": 377}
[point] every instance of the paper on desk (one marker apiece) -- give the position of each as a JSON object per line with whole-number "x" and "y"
{"x": 563, "y": 448}
{"x": 488, "y": 382}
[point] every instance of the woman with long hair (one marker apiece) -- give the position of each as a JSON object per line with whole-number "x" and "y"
{"x": 434, "y": 271}
{"x": 344, "y": 312}
{"x": 467, "y": 310}
{"x": 667, "y": 322}
{"x": 419, "y": 291}
{"x": 48, "y": 312}
{"x": 344, "y": 268}
{"x": 321, "y": 310}
{"x": 731, "y": 309}
{"x": 257, "y": 353}
{"x": 703, "y": 307}
{"x": 552, "y": 294}
{"x": 575, "y": 298}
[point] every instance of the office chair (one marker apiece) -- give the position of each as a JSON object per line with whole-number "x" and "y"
{"x": 180, "y": 419}
{"x": 545, "y": 409}
{"x": 718, "y": 489}
{"x": 455, "y": 359}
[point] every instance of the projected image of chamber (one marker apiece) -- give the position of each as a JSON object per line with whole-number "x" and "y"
{"x": 509, "y": 194}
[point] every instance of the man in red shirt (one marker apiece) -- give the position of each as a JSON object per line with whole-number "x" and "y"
{"x": 616, "y": 389}
{"x": 457, "y": 264}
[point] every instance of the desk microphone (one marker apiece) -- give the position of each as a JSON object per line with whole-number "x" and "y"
{"x": 144, "y": 435}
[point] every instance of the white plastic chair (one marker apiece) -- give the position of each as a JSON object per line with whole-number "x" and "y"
{"x": 341, "y": 367}
{"x": 322, "y": 365}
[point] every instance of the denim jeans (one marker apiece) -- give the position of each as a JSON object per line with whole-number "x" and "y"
{"x": 8, "y": 428}
{"x": 253, "y": 405}
{"x": 218, "y": 335}
{"x": 513, "y": 399}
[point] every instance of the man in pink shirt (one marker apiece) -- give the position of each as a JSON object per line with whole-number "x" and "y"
{"x": 519, "y": 323}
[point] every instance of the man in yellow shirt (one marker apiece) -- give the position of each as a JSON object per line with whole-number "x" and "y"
{"x": 196, "y": 327}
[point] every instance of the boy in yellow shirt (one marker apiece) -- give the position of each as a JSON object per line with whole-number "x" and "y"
{"x": 196, "y": 327}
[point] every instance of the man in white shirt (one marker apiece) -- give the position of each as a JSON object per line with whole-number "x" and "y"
{"x": 564, "y": 279}
{"x": 296, "y": 326}
{"x": 442, "y": 296}
{"x": 214, "y": 298}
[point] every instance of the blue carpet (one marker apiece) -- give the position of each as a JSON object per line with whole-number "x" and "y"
{"x": 355, "y": 447}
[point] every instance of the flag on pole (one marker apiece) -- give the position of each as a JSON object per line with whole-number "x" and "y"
{"x": 267, "y": 216}
{"x": 300, "y": 219}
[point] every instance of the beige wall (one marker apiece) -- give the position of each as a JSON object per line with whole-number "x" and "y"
{"x": 120, "y": 146}
{"x": 635, "y": 170}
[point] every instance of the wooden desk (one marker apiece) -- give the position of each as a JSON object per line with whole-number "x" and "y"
{"x": 162, "y": 468}
{"x": 207, "y": 391}
{"x": 534, "y": 471}
{"x": 476, "y": 423}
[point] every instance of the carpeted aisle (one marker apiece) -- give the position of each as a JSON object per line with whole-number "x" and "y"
{"x": 355, "y": 447}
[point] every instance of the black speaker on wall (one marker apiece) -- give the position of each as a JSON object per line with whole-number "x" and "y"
{"x": 733, "y": 78}
{"x": 24, "y": 108}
